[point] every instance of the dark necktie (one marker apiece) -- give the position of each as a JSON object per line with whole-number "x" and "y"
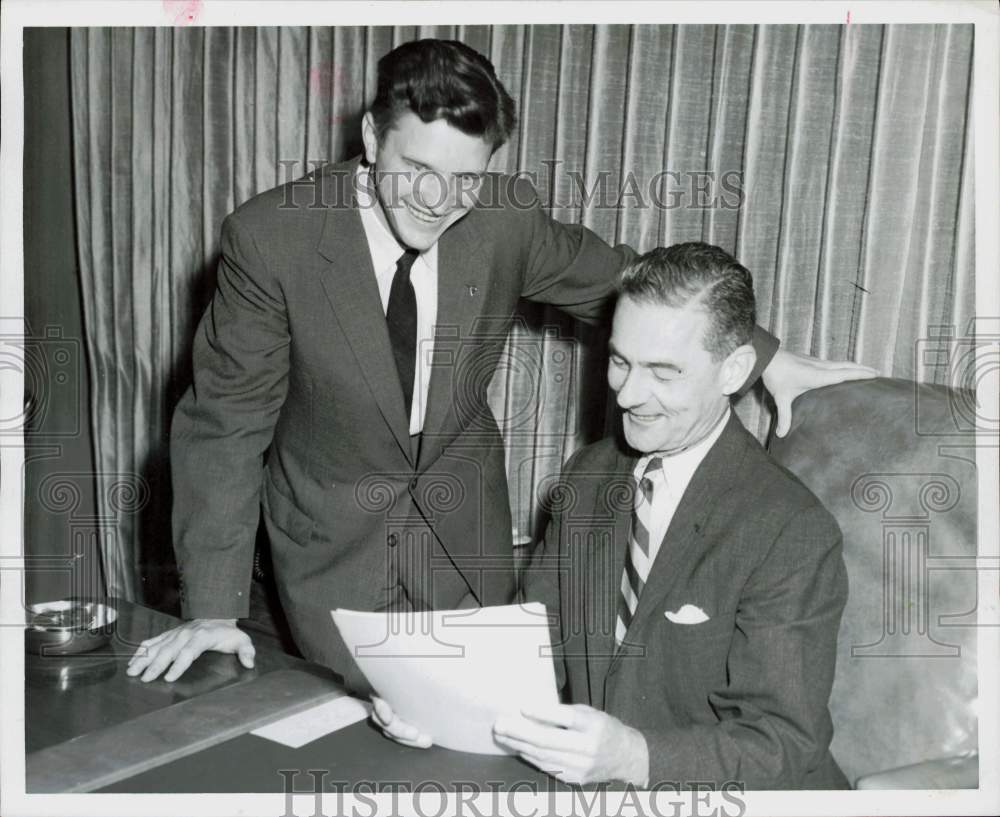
{"x": 401, "y": 317}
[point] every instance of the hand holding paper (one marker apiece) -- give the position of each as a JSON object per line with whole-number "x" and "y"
{"x": 445, "y": 676}
{"x": 396, "y": 728}
{"x": 576, "y": 744}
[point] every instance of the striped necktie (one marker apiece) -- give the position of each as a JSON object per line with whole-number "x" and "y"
{"x": 639, "y": 556}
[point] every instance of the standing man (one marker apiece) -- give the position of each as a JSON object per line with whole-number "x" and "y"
{"x": 696, "y": 624}
{"x": 340, "y": 372}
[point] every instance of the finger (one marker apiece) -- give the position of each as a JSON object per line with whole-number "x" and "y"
{"x": 423, "y": 742}
{"x": 155, "y": 669}
{"x": 784, "y": 408}
{"x": 246, "y": 655}
{"x": 558, "y": 715}
{"x": 844, "y": 365}
{"x": 396, "y": 728}
{"x": 403, "y": 730}
{"x": 165, "y": 657}
{"x": 541, "y": 736}
{"x": 522, "y": 747}
{"x": 139, "y": 662}
{"x": 381, "y": 711}
{"x": 145, "y": 646}
{"x": 855, "y": 372}
{"x": 182, "y": 662}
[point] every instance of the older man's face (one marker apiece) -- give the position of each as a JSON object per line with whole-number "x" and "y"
{"x": 667, "y": 385}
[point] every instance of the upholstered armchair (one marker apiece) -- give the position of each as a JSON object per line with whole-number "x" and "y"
{"x": 895, "y": 462}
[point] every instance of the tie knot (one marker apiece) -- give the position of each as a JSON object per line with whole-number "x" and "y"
{"x": 654, "y": 465}
{"x": 406, "y": 260}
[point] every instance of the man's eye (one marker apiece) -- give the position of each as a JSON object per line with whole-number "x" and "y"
{"x": 617, "y": 362}
{"x": 665, "y": 375}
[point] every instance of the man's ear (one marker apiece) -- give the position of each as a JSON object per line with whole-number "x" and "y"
{"x": 736, "y": 368}
{"x": 369, "y": 137}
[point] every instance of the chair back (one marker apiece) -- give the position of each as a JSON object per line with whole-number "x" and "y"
{"x": 895, "y": 463}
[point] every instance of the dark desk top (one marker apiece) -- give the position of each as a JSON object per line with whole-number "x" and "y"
{"x": 77, "y": 706}
{"x": 358, "y": 758}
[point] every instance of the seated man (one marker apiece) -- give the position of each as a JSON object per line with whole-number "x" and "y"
{"x": 696, "y": 618}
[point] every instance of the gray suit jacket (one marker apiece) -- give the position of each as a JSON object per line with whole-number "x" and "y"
{"x": 742, "y": 696}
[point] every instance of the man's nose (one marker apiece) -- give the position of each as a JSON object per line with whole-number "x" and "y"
{"x": 631, "y": 392}
{"x": 432, "y": 192}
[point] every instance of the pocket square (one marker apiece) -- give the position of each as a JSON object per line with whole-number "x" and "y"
{"x": 688, "y": 614}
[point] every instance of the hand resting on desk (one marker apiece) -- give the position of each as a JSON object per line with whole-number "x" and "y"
{"x": 178, "y": 647}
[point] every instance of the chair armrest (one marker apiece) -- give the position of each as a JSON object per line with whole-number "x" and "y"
{"x": 958, "y": 772}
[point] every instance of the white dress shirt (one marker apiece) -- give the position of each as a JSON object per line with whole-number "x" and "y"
{"x": 671, "y": 481}
{"x": 385, "y": 251}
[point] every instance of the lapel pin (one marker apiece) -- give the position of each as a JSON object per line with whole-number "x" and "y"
{"x": 473, "y": 291}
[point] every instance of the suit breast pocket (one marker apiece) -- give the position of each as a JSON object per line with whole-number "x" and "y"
{"x": 696, "y": 660}
{"x": 716, "y": 631}
{"x": 282, "y": 513}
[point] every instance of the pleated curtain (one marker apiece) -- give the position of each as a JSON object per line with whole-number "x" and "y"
{"x": 835, "y": 161}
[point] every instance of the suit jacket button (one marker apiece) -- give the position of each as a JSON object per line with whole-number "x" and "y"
{"x": 392, "y": 540}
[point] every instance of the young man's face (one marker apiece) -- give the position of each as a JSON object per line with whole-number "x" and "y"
{"x": 670, "y": 389}
{"x": 428, "y": 175}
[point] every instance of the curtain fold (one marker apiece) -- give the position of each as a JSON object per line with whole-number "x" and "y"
{"x": 835, "y": 161}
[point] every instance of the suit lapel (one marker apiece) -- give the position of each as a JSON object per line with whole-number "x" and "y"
{"x": 461, "y": 290}
{"x": 353, "y": 294}
{"x": 600, "y": 597}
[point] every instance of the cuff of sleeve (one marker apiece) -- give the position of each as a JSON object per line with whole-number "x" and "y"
{"x": 658, "y": 753}
{"x": 765, "y": 345}
{"x": 197, "y": 603}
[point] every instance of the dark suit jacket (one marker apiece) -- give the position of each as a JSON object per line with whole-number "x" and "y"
{"x": 292, "y": 360}
{"x": 742, "y": 696}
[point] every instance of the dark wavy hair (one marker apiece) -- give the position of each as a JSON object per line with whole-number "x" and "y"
{"x": 443, "y": 79}
{"x": 675, "y": 276}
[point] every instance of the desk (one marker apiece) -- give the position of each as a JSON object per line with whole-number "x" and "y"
{"x": 90, "y": 727}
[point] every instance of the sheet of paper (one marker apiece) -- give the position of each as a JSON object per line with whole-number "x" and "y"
{"x": 305, "y": 727}
{"x": 451, "y": 673}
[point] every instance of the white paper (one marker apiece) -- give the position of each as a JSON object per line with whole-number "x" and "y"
{"x": 305, "y": 727}
{"x": 451, "y": 673}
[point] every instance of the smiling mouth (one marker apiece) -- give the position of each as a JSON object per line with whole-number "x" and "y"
{"x": 644, "y": 419}
{"x": 422, "y": 215}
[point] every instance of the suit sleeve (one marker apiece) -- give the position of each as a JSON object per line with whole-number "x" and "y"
{"x": 223, "y": 425}
{"x": 571, "y": 268}
{"x": 541, "y": 584}
{"x": 775, "y": 724}
{"x": 544, "y": 578}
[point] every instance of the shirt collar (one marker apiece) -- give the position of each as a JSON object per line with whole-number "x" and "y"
{"x": 679, "y": 468}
